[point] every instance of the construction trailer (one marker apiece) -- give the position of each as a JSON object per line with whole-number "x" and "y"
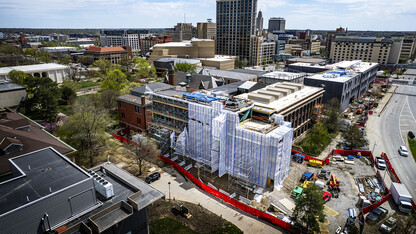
{"x": 221, "y": 135}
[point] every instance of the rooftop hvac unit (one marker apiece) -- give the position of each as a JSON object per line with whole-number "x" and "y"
{"x": 103, "y": 187}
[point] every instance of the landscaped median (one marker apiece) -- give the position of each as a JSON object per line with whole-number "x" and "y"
{"x": 412, "y": 146}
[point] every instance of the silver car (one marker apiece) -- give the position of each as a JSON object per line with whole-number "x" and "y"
{"x": 403, "y": 151}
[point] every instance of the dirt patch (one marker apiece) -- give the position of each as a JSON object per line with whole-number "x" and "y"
{"x": 201, "y": 220}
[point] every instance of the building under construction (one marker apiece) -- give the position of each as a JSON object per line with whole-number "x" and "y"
{"x": 221, "y": 135}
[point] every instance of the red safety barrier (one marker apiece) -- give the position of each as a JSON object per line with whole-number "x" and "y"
{"x": 382, "y": 182}
{"x": 390, "y": 167}
{"x": 414, "y": 205}
{"x": 375, "y": 205}
{"x": 307, "y": 157}
{"x": 229, "y": 200}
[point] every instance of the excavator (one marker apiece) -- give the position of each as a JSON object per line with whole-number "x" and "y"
{"x": 334, "y": 185}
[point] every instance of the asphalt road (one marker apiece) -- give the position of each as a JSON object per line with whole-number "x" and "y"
{"x": 397, "y": 119}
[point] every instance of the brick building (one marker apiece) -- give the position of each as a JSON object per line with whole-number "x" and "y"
{"x": 113, "y": 54}
{"x": 134, "y": 109}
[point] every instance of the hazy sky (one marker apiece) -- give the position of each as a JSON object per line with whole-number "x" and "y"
{"x": 397, "y": 15}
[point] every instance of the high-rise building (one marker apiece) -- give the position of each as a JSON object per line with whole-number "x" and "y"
{"x": 206, "y": 30}
{"x": 331, "y": 36}
{"x": 236, "y": 23}
{"x": 277, "y": 25}
{"x": 259, "y": 23}
{"x": 183, "y": 32}
{"x": 111, "y": 38}
{"x": 368, "y": 49}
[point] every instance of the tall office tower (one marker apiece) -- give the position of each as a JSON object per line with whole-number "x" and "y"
{"x": 122, "y": 38}
{"x": 277, "y": 25}
{"x": 259, "y": 23}
{"x": 236, "y": 27}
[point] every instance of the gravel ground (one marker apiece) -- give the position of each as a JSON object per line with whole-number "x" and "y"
{"x": 348, "y": 196}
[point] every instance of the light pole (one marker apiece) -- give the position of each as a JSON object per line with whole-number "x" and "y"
{"x": 375, "y": 143}
{"x": 169, "y": 190}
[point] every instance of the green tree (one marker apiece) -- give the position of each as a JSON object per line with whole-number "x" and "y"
{"x": 89, "y": 74}
{"x": 30, "y": 51}
{"x": 104, "y": 65}
{"x": 43, "y": 56}
{"x": 238, "y": 63}
{"x": 245, "y": 62}
{"x": 109, "y": 100}
{"x": 144, "y": 69}
{"x": 85, "y": 129}
{"x": 126, "y": 63}
{"x": 17, "y": 77}
{"x": 316, "y": 140}
{"x": 64, "y": 60}
{"x": 115, "y": 80}
{"x": 69, "y": 93}
{"x": 43, "y": 97}
{"x": 264, "y": 60}
{"x": 309, "y": 206}
{"x": 9, "y": 49}
{"x": 332, "y": 113}
{"x": 85, "y": 60}
{"x": 355, "y": 137}
{"x": 185, "y": 67}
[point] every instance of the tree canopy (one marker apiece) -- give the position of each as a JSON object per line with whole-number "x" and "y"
{"x": 17, "y": 77}
{"x": 185, "y": 67}
{"x": 85, "y": 129}
{"x": 43, "y": 96}
{"x": 355, "y": 137}
{"x": 309, "y": 206}
{"x": 144, "y": 69}
{"x": 332, "y": 112}
{"x": 115, "y": 80}
{"x": 104, "y": 65}
{"x": 316, "y": 140}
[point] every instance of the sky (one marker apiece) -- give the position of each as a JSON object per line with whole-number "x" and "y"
{"x": 375, "y": 15}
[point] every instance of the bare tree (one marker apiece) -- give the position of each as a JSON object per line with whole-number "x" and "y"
{"x": 144, "y": 150}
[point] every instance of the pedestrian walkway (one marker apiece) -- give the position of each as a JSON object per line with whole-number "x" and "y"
{"x": 183, "y": 190}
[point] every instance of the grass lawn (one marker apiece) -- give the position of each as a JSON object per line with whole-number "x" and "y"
{"x": 168, "y": 225}
{"x": 65, "y": 109}
{"x": 86, "y": 84}
{"x": 412, "y": 145}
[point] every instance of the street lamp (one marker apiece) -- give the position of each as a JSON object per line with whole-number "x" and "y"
{"x": 169, "y": 190}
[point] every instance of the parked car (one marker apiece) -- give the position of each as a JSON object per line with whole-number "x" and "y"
{"x": 389, "y": 225}
{"x": 403, "y": 151}
{"x": 411, "y": 135}
{"x": 376, "y": 214}
{"x": 380, "y": 163}
{"x": 152, "y": 177}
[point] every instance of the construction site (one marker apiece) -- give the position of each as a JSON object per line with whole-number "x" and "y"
{"x": 219, "y": 136}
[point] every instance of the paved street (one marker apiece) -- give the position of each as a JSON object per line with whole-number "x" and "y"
{"x": 389, "y": 131}
{"x": 187, "y": 191}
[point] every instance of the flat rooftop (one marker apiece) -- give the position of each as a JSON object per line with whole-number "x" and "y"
{"x": 279, "y": 97}
{"x": 232, "y": 75}
{"x": 343, "y": 71}
{"x": 33, "y": 68}
{"x": 6, "y": 86}
{"x": 283, "y": 75}
{"x": 307, "y": 60}
{"x": 41, "y": 172}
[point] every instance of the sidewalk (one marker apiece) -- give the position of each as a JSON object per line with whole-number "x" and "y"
{"x": 186, "y": 191}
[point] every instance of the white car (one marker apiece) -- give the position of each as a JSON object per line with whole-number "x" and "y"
{"x": 403, "y": 151}
{"x": 381, "y": 164}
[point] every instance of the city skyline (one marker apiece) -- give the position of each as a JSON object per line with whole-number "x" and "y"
{"x": 317, "y": 14}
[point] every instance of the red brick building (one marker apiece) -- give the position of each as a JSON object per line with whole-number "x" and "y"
{"x": 135, "y": 110}
{"x": 113, "y": 54}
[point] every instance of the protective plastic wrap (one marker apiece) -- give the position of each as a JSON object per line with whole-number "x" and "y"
{"x": 216, "y": 139}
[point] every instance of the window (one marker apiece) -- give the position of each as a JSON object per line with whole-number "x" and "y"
{"x": 123, "y": 115}
{"x": 139, "y": 121}
{"x": 138, "y": 109}
{"x": 120, "y": 104}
